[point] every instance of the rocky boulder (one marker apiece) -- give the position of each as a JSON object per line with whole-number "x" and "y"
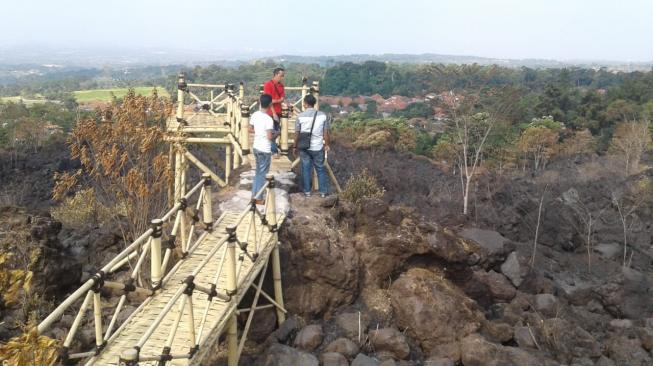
{"x": 321, "y": 266}
{"x": 279, "y": 354}
{"x": 476, "y": 351}
{"x": 625, "y": 351}
{"x": 333, "y": 359}
{"x": 490, "y": 286}
{"x": 514, "y": 269}
{"x": 390, "y": 340}
{"x": 494, "y": 247}
{"x": 309, "y": 338}
{"x": 432, "y": 309}
{"x": 362, "y": 360}
{"x": 343, "y": 346}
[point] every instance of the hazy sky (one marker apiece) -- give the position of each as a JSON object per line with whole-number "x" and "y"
{"x": 554, "y": 29}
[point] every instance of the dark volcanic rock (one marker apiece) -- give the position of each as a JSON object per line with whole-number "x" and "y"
{"x": 476, "y": 351}
{"x": 625, "y": 351}
{"x": 320, "y": 266}
{"x": 279, "y": 354}
{"x": 432, "y": 309}
{"x": 391, "y": 340}
{"x": 343, "y": 346}
{"x": 309, "y": 338}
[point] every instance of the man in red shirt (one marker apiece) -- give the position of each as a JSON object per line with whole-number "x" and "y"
{"x": 275, "y": 88}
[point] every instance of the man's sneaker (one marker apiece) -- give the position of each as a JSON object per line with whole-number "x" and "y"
{"x": 323, "y": 195}
{"x": 307, "y": 194}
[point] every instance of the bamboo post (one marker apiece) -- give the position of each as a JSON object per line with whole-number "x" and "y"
{"x": 207, "y": 204}
{"x": 316, "y": 93}
{"x": 177, "y": 172}
{"x": 97, "y": 312}
{"x": 271, "y": 216}
{"x": 128, "y": 357}
{"x": 314, "y": 181}
{"x": 182, "y": 193}
{"x": 211, "y": 101}
{"x": 241, "y": 91}
{"x": 190, "y": 318}
{"x": 181, "y": 87}
{"x": 155, "y": 254}
{"x": 304, "y": 91}
{"x": 171, "y": 184}
{"x": 332, "y": 176}
{"x": 285, "y": 113}
{"x": 227, "y": 165}
{"x": 232, "y": 283}
{"x": 236, "y": 134}
{"x": 244, "y": 129}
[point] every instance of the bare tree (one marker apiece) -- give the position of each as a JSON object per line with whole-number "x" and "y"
{"x": 470, "y": 135}
{"x": 631, "y": 140}
{"x": 588, "y": 217}
{"x": 537, "y": 226}
{"x": 627, "y": 216}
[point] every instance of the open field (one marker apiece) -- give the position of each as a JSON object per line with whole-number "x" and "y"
{"x": 26, "y": 101}
{"x": 104, "y": 95}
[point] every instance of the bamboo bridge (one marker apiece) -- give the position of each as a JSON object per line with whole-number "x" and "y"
{"x": 187, "y": 274}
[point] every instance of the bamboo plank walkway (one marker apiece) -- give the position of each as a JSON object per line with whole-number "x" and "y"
{"x": 218, "y": 313}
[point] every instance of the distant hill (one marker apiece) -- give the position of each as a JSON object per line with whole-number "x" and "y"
{"x": 457, "y": 59}
{"x": 129, "y": 57}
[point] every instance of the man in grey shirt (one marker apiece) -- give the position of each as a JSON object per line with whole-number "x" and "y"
{"x": 313, "y": 157}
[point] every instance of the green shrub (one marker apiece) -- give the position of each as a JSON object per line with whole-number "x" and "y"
{"x": 362, "y": 186}
{"x": 81, "y": 210}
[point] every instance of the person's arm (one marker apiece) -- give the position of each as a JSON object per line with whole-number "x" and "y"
{"x": 298, "y": 128}
{"x": 327, "y": 135}
{"x": 269, "y": 129}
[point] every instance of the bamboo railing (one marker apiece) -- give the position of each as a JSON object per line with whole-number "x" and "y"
{"x": 147, "y": 247}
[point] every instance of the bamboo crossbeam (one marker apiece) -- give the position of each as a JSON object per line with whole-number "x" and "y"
{"x": 114, "y": 318}
{"x": 76, "y": 356}
{"x": 175, "y": 324}
{"x": 250, "y": 316}
{"x": 204, "y": 168}
{"x": 121, "y": 287}
{"x": 270, "y": 299}
{"x": 195, "y": 97}
{"x": 215, "y": 86}
{"x": 157, "y": 358}
{"x": 150, "y": 330}
{"x": 198, "y": 140}
{"x": 246, "y": 310}
{"x": 235, "y": 145}
{"x": 78, "y": 319}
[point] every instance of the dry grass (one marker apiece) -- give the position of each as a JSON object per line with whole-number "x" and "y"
{"x": 29, "y": 349}
{"x": 362, "y": 186}
{"x": 80, "y": 210}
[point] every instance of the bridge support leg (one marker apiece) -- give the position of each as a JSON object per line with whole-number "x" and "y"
{"x": 283, "y": 140}
{"x": 232, "y": 283}
{"x": 271, "y": 216}
{"x": 155, "y": 254}
{"x": 227, "y": 166}
{"x": 244, "y": 130}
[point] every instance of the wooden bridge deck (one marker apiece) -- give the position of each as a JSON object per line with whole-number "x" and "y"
{"x": 138, "y": 323}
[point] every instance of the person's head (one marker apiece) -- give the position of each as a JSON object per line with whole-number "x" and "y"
{"x": 278, "y": 73}
{"x": 265, "y": 101}
{"x": 309, "y": 101}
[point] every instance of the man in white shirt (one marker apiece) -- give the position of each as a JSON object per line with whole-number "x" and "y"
{"x": 317, "y": 124}
{"x": 262, "y": 125}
